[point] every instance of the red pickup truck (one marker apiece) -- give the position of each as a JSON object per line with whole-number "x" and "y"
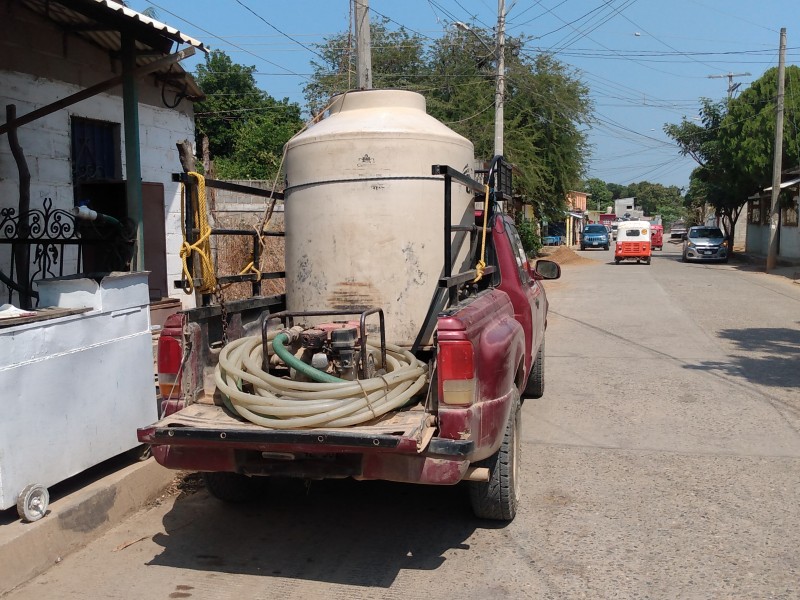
{"x": 462, "y": 422}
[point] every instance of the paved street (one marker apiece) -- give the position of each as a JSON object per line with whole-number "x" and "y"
{"x": 662, "y": 462}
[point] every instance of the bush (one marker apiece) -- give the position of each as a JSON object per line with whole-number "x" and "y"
{"x": 531, "y": 241}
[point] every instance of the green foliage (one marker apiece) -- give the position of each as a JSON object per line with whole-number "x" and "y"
{"x": 747, "y": 133}
{"x": 531, "y": 241}
{"x": 396, "y": 63}
{"x": 601, "y": 197}
{"x": 246, "y": 127}
{"x": 654, "y": 198}
{"x": 545, "y": 110}
{"x": 734, "y": 145}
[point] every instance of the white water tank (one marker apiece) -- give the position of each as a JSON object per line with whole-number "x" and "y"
{"x": 365, "y": 216}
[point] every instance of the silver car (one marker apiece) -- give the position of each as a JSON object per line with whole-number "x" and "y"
{"x": 705, "y": 243}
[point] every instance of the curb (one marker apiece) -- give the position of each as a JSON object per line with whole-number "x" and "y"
{"x": 29, "y": 549}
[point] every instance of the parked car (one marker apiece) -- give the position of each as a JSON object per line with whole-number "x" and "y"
{"x": 594, "y": 236}
{"x": 677, "y": 230}
{"x": 705, "y": 243}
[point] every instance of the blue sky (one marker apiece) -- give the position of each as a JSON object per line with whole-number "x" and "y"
{"x": 646, "y": 62}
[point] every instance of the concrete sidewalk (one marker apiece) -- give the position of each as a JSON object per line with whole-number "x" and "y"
{"x": 81, "y": 509}
{"x": 790, "y": 269}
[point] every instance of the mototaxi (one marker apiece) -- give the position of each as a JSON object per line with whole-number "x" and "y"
{"x": 633, "y": 242}
{"x": 657, "y": 237}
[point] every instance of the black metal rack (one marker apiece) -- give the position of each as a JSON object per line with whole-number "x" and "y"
{"x": 192, "y": 233}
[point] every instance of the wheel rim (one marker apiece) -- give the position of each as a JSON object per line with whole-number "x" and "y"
{"x": 33, "y": 503}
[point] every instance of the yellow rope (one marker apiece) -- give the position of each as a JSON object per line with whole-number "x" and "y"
{"x": 202, "y": 246}
{"x": 251, "y": 268}
{"x": 481, "y": 266}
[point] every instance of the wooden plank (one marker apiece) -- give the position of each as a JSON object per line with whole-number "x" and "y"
{"x": 404, "y": 423}
{"x": 42, "y": 314}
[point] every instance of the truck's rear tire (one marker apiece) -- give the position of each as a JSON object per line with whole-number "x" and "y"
{"x": 230, "y": 487}
{"x": 498, "y": 498}
{"x": 535, "y": 386}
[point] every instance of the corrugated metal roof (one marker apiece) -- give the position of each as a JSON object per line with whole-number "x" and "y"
{"x": 784, "y": 184}
{"x": 101, "y": 23}
{"x": 80, "y": 14}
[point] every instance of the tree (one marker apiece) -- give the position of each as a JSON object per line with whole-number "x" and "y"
{"x": 657, "y": 199}
{"x": 545, "y": 109}
{"x": 601, "y": 197}
{"x": 734, "y": 145}
{"x": 397, "y": 62}
{"x": 747, "y": 133}
{"x": 246, "y": 127}
{"x": 715, "y": 181}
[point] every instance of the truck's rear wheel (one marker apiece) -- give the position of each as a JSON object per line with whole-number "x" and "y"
{"x": 535, "y": 386}
{"x": 230, "y": 487}
{"x": 497, "y": 499}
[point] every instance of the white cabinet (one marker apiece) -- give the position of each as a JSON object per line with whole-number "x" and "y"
{"x": 75, "y": 387}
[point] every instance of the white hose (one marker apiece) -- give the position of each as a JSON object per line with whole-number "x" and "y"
{"x": 280, "y": 403}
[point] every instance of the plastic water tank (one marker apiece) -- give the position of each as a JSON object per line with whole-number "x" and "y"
{"x": 365, "y": 216}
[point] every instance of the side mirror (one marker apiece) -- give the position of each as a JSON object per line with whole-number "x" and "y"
{"x": 546, "y": 269}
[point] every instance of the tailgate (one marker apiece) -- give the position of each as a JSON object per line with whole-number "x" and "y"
{"x": 206, "y": 425}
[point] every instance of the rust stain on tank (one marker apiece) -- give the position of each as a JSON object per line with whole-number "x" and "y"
{"x": 354, "y": 295}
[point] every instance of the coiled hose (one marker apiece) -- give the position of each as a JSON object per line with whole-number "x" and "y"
{"x": 281, "y": 403}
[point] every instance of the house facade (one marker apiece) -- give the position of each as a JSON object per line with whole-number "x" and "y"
{"x": 110, "y": 146}
{"x": 576, "y": 202}
{"x": 758, "y": 220}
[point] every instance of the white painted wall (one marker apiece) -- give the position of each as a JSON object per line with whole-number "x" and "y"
{"x": 758, "y": 241}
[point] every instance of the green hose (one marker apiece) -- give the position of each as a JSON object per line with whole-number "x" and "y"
{"x": 297, "y": 364}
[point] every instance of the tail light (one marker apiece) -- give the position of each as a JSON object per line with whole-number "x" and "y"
{"x": 170, "y": 355}
{"x": 456, "y": 366}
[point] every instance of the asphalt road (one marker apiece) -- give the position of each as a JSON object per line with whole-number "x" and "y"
{"x": 662, "y": 462}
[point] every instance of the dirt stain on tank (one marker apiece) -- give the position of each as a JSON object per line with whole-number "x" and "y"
{"x": 354, "y": 295}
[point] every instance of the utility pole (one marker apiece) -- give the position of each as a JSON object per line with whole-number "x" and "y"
{"x": 775, "y": 213}
{"x": 501, "y": 78}
{"x": 732, "y": 87}
{"x": 363, "y": 44}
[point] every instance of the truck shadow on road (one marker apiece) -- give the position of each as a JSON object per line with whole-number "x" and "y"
{"x": 770, "y": 356}
{"x": 343, "y": 531}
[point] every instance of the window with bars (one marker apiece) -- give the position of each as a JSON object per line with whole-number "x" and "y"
{"x": 789, "y": 213}
{"x": 95, "y": 150}
{"x": 754, "y": 212}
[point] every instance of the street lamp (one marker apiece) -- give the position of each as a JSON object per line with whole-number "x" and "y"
{"x": 498, "y": 51}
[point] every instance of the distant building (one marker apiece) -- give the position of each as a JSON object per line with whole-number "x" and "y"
{"x": 576, "y": 201}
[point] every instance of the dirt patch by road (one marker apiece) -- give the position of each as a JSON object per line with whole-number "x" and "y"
{"x": 564, "y": 255}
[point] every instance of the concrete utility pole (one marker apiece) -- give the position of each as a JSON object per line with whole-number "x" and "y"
{"x": 732, "y": 87}
{"x": 501, "y": 78}
{"x": 363, "y": 44}
{"x": 775, "y": 213}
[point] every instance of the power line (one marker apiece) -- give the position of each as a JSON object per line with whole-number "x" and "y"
{"x": 215, "y": 36}
{"x": 298, "y": 42}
